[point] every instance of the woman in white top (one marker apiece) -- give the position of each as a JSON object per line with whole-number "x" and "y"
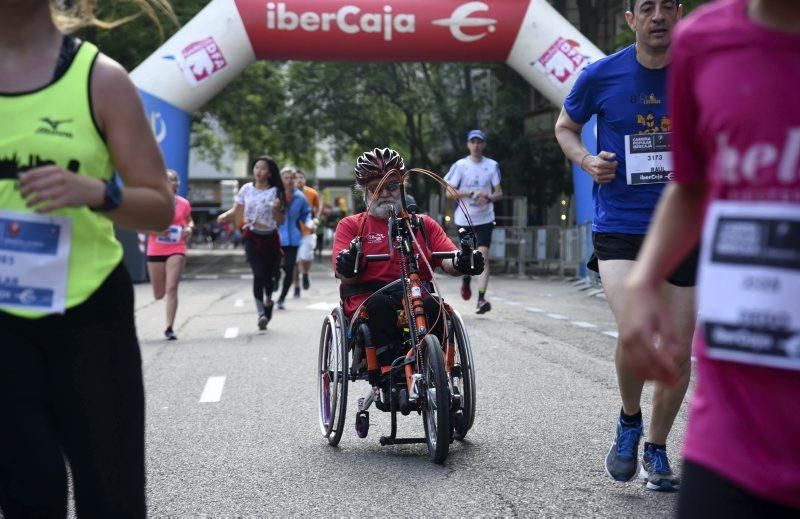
{"x": 259, "y": 212}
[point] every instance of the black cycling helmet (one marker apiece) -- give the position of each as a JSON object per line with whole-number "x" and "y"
{"x": 376, "y": 163}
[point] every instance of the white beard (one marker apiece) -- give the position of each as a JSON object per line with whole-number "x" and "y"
{"x": 382, "y": 208}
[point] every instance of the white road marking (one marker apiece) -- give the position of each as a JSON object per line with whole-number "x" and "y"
{"x": 207, "y": 276}
{"x": 611, "y": 333}
{"x": 322, "y": 306}
{"x": 513, "y": 303}
{"x": 238, "y": 302}
{"x": 498, "y": 298}
{"x": 246, "y": 276}
{"x": 558, "y": 317}
{"x": 231, "y": 333}
{"x": 213, "y": 390}
{"x": 584, "y": 324}
{"x": 534, "y": 310}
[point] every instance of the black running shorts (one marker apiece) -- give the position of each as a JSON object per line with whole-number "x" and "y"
{"x": 618, "y": 246}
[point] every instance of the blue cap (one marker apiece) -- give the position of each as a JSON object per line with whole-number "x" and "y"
{"x": 476, "y": 133}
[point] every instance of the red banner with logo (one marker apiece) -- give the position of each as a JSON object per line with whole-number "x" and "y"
{"x": 382, "y": 30}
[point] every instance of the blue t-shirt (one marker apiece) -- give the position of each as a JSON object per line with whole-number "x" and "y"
{"x": 296, "y": 211}
{"x": 627, "y": 99}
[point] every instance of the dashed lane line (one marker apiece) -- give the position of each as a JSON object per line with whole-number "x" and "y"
{"x": 557, "y": 317}
{"x": 583, "y": 324}
{"x": 534, "y": 310}
{"x": 611, "y": 333}
{"x": 231, "y": 333}
{"x": 213, "y": 390}
{"x": 238, "y": 303}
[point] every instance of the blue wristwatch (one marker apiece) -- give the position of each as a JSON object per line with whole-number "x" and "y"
{"x": 112, "y": 197}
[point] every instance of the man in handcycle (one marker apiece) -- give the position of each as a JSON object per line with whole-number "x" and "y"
{"x": 361, "y": 281}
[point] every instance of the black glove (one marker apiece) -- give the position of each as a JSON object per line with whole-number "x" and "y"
{"x": 346, "y": 264}
{"x": 461, "y": 263}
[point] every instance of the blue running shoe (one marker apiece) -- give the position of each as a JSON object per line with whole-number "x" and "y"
{"x": 622, "y": 459}
{"x": 656, "y": 470}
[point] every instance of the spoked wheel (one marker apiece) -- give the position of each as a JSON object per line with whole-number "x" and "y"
{"x": 332, "y": 372}
{"x": 436, "y": 400}
{"x": 462, "y": 378}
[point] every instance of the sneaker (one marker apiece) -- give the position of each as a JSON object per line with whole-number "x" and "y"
{"x": 656, "y": 470}
{"x": 483, "y": 306}
{"x": 296, "y": 292}
{"x": 281, "y": 306}
{"x": 306, "y": 282}
{"x": 622, "y": 458}
{"x": 262, "y": 322}
{"x": 170, "y": 335}
{"x": 466, "y": 291}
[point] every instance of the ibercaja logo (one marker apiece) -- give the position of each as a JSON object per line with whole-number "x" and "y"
{"x": 561, "y": 61}
{"x": 200, "y": 60}
{"x": 384, "y": 30}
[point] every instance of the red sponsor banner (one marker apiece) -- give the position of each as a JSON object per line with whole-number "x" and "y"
{"x": 382, "y": 30}
{"x": 561, "y": 61}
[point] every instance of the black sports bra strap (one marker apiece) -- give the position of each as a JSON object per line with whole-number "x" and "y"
{"x": 69, "y": 48}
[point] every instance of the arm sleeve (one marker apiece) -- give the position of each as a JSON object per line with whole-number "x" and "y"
{"x": 580, "y": 103}
{"x": 345, "y": 232}
{"x": 239, "y": 199}
{"x": 496, "y": 175}
{"x": 687, "y": 152}
{"x": 305, "y": 210}
{"x": 453, "y": 177}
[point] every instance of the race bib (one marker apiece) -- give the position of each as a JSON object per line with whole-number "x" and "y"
{"x": 648, "y": 158}
{"x": 34, "y": 255}
{"x": 174, "y": 234}
{"x": 749, "y": 283}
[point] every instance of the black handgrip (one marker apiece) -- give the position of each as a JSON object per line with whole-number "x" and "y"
{"x": 355, "y": 248}
{"x": 444, "y": 255}
{"x": 377, "y": 257}
{"x": 468, "y": 244}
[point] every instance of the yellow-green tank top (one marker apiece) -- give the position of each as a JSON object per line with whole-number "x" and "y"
{"x": 55, "y": 125}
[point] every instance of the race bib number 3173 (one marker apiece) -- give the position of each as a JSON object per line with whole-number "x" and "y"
{"x": 648, "y": 158}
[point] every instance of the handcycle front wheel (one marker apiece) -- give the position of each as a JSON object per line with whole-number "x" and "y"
{"x": 462, "y": 376}
{"x": 436, "y": 402}
{"x": 332, "y": 376}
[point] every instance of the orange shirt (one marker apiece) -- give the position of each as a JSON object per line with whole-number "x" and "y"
{"x": 313, "y": 200}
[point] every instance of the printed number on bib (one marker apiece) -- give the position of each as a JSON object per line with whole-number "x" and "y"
{"x": 648, "y": 158}
{"x": 34, "y": 255}
{"x": 749, "y": 281}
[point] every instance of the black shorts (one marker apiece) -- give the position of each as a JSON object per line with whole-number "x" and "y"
{"x": 163, "y": 258}
{"x": 707, "y": 494}
{"x": 483, "y": 234}
{"x": 618, "y": 246}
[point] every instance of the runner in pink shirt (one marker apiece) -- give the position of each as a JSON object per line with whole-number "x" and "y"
{"x": 166, "y": 255}
{"x": 736, "y": 117}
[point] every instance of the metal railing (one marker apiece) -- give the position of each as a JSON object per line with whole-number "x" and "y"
{"x": 541, "y": 250}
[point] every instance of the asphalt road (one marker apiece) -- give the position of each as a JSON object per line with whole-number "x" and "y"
{"x": 546, "y": 406}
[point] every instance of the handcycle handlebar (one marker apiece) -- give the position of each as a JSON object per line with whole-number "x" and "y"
{"x": 377, "y": 257}
{"x": 444, "y": 255}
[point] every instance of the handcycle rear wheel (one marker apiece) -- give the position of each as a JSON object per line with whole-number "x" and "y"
{"x": 462, "y": 377}
{"x": 332, "y": 376}
{"x": 436, "y": 401}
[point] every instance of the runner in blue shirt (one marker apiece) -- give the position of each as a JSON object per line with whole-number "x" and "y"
{"x": 296, "y": 211}
{"x": 626, "y": 91}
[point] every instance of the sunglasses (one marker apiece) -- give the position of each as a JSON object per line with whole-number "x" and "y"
{"x": 391, "y": 187}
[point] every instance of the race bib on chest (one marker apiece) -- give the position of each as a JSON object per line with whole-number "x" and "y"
{"x": 648, "y": 158}
{"x": 34, "y": 255}
{"x": 173, "y": 235}
{"x": 749, "y": 283}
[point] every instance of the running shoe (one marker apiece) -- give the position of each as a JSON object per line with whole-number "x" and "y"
{"x": 466, "y": 291}
{"x": 483, "y": 306}
{"x": 622, "y": 458}
{"x": 262, "y": 322}
{"x": 281, "y": 306}
{"x": 306, "y": 282}
{"x": 170, "y": 335}
{"x": 656, "y": 470}
{"x": 296, "y": 292}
